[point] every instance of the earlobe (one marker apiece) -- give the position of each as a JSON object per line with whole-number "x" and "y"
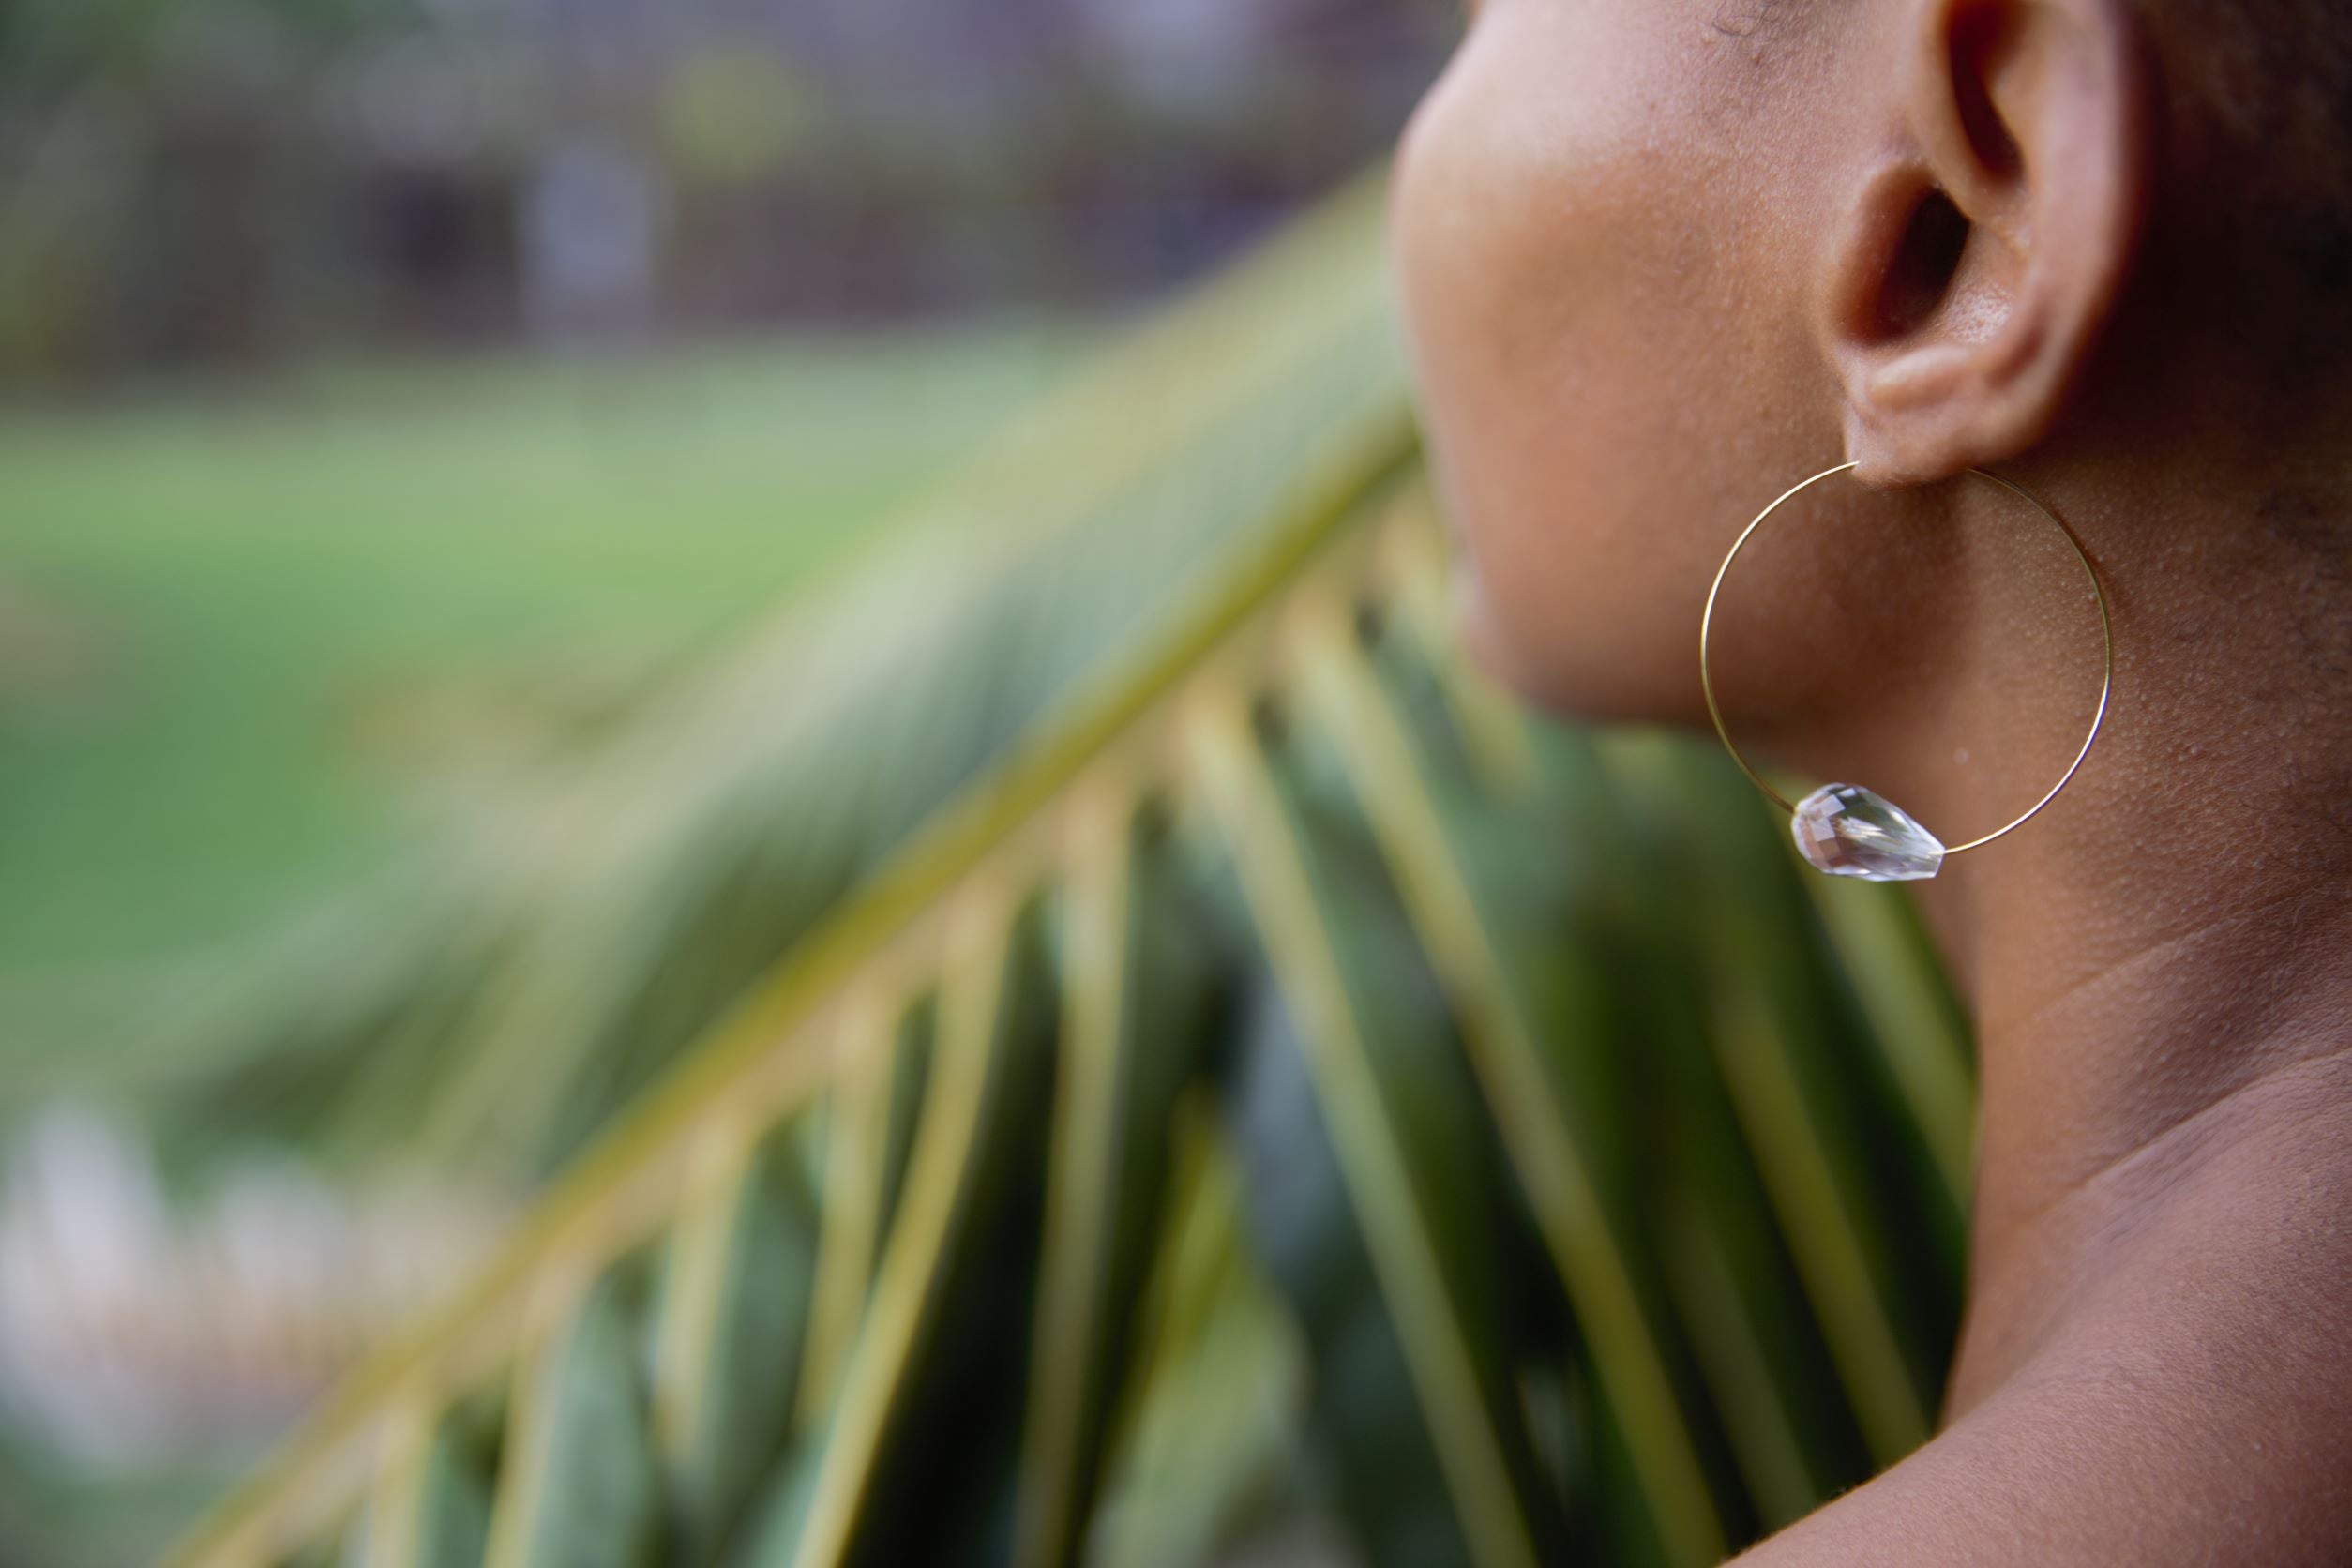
{"x": 1965, "y": 294}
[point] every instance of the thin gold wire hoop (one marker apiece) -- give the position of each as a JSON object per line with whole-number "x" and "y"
{"x": 2107, "y": 638}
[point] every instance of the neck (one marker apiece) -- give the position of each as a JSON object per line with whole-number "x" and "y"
{"x": 2158, "y": 964}
{"x": 2123, "y": 1055}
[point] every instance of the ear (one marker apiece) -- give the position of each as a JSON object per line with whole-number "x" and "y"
{"x": 1967, "y": 288}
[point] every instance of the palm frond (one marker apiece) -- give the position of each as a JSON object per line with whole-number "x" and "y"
{"x": 580, "y": 928}
{"x": 1288, "y": 1004}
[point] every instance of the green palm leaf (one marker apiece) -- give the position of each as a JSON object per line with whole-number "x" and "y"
{"x": 583, "y": 927}
{"x": 1290, "y": 1096}
{"x": 1485, "y": 974}
{"x": 1412, "y": 1218}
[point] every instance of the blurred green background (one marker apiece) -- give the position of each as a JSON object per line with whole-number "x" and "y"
{"x": 403, "y": 403}
{"x": 256, "y": 635}
{"x": 371, "y": 365}
{"x": 736, "y": 814}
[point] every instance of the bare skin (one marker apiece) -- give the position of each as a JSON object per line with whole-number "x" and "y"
{"x": 1663, "y": 260}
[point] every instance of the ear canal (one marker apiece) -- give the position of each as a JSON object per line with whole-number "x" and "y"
{"x": 1923, "y": 268}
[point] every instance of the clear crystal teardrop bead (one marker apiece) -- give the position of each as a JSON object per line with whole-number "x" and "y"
{"x": 1847, "y": 831}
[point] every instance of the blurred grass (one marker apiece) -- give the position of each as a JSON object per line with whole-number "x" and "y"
{"x": 231, "y": 625}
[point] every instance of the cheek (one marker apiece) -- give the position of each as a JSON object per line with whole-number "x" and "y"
{"x": 1602, "y": 372}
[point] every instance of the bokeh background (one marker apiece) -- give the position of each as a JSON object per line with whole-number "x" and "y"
{"x": 737, "y": 811}
{"x": 399, "y": 398}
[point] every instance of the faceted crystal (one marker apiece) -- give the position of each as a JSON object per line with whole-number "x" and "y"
{"x": 1847, "y": 831}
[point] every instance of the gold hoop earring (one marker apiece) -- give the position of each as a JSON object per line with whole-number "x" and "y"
{"x": 1846, "y": 830}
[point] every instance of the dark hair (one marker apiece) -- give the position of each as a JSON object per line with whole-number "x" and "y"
{"x": 2270, "y": 82}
